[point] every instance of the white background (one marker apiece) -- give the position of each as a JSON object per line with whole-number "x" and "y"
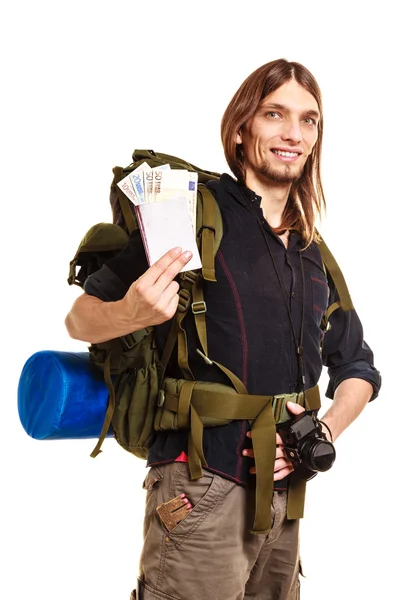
{"x": 83, "y": 85}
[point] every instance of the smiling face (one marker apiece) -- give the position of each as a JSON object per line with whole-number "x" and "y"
{"x": 279, "y": 137}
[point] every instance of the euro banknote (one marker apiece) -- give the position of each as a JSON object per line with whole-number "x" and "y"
{"x": 172, "y": 220}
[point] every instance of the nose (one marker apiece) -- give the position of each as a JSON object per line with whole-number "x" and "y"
{"x": 292, "y": 131}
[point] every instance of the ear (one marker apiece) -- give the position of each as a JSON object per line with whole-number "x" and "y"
{"x": 238, "y": 137}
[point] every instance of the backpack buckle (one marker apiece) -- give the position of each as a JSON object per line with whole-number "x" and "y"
{"x": 184, "y": 300}
{"x": 189, "y": 276}
{"x": 128, "y": 341}
{"x": 199, "y": 308}
{"x": 132, "y": 339}
{"x": 276, "y": 405}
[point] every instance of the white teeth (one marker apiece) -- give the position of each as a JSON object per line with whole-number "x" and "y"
{"x": 282, "y": 153}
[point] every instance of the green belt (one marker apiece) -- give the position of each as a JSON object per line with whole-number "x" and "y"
{"x": 197, "y": 406}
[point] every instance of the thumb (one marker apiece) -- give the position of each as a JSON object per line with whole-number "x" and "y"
{"x": 295, "y": 408}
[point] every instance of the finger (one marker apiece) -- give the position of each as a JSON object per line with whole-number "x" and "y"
{"x": 172, "y": 307}
{"x": 281, "y": 463}
{"x": 155, "y": 271}
{"x": 279, "y": 440}
{"x": 295, "y": 408}
{"x": 248, "y": 452}
{"x": 278, "y": 456}
{"x": 175, "y": 255}
{"x": 172, "y": 271}
{"x": 169, "y": 294}
{"x": 283, "y": 473}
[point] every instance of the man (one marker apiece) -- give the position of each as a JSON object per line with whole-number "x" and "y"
{"x": 264, "y": 316}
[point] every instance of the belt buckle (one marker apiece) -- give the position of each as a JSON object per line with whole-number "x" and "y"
{"x": 279, "y": 406}
{"x": 277, "y": 402}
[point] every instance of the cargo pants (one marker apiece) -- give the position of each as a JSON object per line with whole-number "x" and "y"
{"x": 210, "y": 554}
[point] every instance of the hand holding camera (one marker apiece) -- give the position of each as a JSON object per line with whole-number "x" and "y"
{"x": 306, "y": 445}
{"x": 302, "y": 446}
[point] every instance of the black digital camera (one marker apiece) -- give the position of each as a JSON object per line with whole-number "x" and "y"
{"x": 306, "y": 445}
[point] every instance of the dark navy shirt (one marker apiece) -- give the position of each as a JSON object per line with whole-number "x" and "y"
{"x": 248, "y": 326}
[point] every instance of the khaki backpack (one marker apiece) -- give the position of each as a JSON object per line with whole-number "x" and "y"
{"x": 142, "y": 400}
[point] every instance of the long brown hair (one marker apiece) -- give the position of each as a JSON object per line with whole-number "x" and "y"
{"x": 306, "y": 199}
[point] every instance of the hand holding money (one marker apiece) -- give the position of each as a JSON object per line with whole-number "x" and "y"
{"x": 153, "y": 298}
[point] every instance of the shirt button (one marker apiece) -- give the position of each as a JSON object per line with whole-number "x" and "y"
{"x": 293, "y": 295}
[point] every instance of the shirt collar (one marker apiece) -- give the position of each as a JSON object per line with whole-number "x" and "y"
{"x": 246, "y": 197}
{"x": 239, "y": 191}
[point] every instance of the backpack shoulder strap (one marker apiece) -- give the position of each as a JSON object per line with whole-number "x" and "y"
{"x": 337, "y": 276}
{"x": 209, "y": 236}
{"x": 209, "y": 230}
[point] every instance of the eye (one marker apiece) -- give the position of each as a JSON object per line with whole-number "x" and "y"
{"x": 310, "y": 121}
{"x": 273, "y": 115}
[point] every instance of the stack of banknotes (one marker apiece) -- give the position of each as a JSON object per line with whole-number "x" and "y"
{"x": 165, "y": 204}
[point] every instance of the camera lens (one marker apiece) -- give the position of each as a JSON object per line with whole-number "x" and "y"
{"x": 319, "y": 455}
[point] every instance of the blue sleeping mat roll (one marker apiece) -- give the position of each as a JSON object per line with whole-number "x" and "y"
{"x": 61, "y": 395}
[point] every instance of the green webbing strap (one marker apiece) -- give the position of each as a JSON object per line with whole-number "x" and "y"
{"x": 337, "y": 276}
{"x": 191, "y": 293}
{"x": 331, "y": 309}
{"x": 110, "y": 409}
{"x": 297, "y": 486}
{"x": 208, "y": 234}
{"x": 191, "y": 281}
{"x": 184, "y": 403}
{"x": 237, "y": 383}
{"x": 312, "y": 399}
{"x": 223, "y": 405}
{"x": 196, "y": 456}
{"x": 199, "y": 311}
{"x": 170, "y": 342}
{"x": 259, "y": 410}
{"x": 263, "y": 435}
{"x": 183, "y": 307}
{"x": 124, "y": 202}
{"x": 296, "y": 496}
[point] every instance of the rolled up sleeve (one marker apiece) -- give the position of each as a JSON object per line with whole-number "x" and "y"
{"x": 112, "y": 281}
{"x": 345, "y": 352}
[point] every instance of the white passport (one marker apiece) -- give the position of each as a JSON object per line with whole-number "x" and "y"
{"x": 166, "y": 225}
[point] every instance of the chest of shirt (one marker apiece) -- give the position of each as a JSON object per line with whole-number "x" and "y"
{"x": 255, "y": 270}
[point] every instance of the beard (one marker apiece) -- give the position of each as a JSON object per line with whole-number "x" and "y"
{"x": 281, "y": 174}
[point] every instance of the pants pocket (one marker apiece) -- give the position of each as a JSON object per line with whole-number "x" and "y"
{"x": 205, "y": 495}
{"x": 152, "y": 477}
